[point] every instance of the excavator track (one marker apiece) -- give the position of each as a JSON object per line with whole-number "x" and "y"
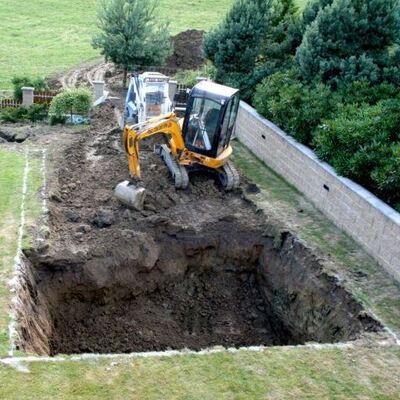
{"x": 229, "y": 177}
{"x": 178, "y": 172}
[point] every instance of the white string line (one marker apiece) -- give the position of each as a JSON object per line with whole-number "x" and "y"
{"x": 174, "y": 353}
{"x": 17, "y": 260}
{"x": 44, "y": 185}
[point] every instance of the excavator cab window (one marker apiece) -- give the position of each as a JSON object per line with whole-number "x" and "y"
{"x": 210, "y": 118}
{"x": 203, "y": 124}
{"x": 228, "y": 123}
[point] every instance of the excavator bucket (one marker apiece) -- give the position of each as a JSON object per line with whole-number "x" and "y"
{"x": 131, "y": 195}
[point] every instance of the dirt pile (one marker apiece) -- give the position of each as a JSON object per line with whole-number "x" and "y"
{"x": 187, "y": 50}
{"x": 195, "y": 268}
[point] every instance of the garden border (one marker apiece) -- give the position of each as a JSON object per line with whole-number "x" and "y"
{"x": 367, "y": 219}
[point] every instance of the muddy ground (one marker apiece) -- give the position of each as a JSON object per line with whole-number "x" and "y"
{"x": 187, "y": 54}
{"x": 195, "y": 268}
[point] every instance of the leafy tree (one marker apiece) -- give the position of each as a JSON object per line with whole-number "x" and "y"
{"x": 71, "y": 101}
{"x": 352, "y": 40}
{"x": 130, "y": 36}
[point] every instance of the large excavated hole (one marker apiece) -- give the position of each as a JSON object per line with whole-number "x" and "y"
{"x": 199, "y": 291}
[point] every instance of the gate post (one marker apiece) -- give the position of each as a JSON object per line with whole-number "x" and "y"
{"x": 98, "y": 89}
{"x": 27, "y": 96}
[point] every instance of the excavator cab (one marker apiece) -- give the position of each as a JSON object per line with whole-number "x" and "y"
{"x": 210, "y": 118}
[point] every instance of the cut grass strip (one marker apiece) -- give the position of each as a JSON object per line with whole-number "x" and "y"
{"x": 12, "y": 169}
{"x": 276, "y": 373}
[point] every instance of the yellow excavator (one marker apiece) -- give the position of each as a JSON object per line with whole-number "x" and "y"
{"x": 199, "y": 141}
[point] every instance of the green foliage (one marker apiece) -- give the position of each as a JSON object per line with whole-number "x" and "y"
{"x": 189, "y": 77}
{"x": 20, "y": 81}
{"x": 256, "y": 39}
{"x": 296, "y": 107}
{"x": 33, "y": 113}
{"x": 57, "y": 119}
{"x": 281, "y": 38}
{"x": 311, "y": 11}
{"x": 352, "y": 40}
{"x": 363, "y": 143}
{"x": 360, "y": 92}
{"x": 130, "y": 36}
{"x": 235, "y": 44}
{"x": 71, "y": 101}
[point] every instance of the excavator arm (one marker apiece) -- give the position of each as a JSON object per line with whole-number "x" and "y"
{"x": 167, "y": 125}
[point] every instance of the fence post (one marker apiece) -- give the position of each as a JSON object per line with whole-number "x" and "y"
{"x": 98, "y": 89}
{"x": 27, "y": 96}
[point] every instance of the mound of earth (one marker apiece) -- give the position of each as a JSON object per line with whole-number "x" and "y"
{"x": 188, "y": 50}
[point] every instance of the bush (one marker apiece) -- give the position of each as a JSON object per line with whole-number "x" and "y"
{"x": 362, "y": 142}
{"x": 20, "y": 81}
{"x": 293, "y": 105}
{"x": 360, "y": 92}
{"x": 33, "y": 113}
{"x": 71, "y": 101}
{"x": 189, "y": 77}
{"x": 57, "y": 119}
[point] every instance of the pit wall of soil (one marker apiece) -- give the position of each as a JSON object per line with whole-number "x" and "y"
{"x": 238, "y": 289}
{"x": 368, "y": 220}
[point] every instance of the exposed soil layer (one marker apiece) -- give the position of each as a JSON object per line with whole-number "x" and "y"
{"x": 195, "y": 268}
{"x": 187, "y": 50}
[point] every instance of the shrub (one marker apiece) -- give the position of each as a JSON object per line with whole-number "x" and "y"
{"x": 189, "y": 77}
{"x": 296, "y": 107}
{"x": 359, "y": 92}
{"x": 352, "y": 40}
{"x": 57, "y": 119}
{"x": 20, "y": 81}
{"x": 33, "y": 113}
{"x": 362, "y": 142}
{"x": 71, "y": 101}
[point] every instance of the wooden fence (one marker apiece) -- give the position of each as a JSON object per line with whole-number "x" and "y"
{"x": 44, "y": 97}
{"x": 6, "y": 103}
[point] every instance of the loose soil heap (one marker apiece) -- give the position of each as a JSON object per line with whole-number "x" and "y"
{"x": 195, "y": 268}
{"x": 187, "y": 50}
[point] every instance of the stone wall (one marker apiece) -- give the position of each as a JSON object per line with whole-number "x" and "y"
{"x": 372, "y": 223}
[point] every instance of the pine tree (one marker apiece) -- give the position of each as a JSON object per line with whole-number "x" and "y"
{"x": 282, "y": 37}
{"x": 234, "y": 46}
{"x": 129, "y": 35}
{"x": 312, "y": 9}
{"x": 256, "y": 38}
{"x": 352, "y": 40}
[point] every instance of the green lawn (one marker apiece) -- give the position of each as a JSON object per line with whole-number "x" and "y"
{"x": 41, "y": 37}
{"x": 11, "y": 178}
{"x": 294, "y": 373}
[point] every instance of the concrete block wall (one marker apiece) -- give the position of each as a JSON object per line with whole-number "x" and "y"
{"x": 364, "y": 217}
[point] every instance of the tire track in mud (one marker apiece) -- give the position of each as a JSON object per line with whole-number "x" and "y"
{"x": 84, "y": 75}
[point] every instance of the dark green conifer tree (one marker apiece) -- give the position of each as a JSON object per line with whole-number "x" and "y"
{"x": 352, "y": 40}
